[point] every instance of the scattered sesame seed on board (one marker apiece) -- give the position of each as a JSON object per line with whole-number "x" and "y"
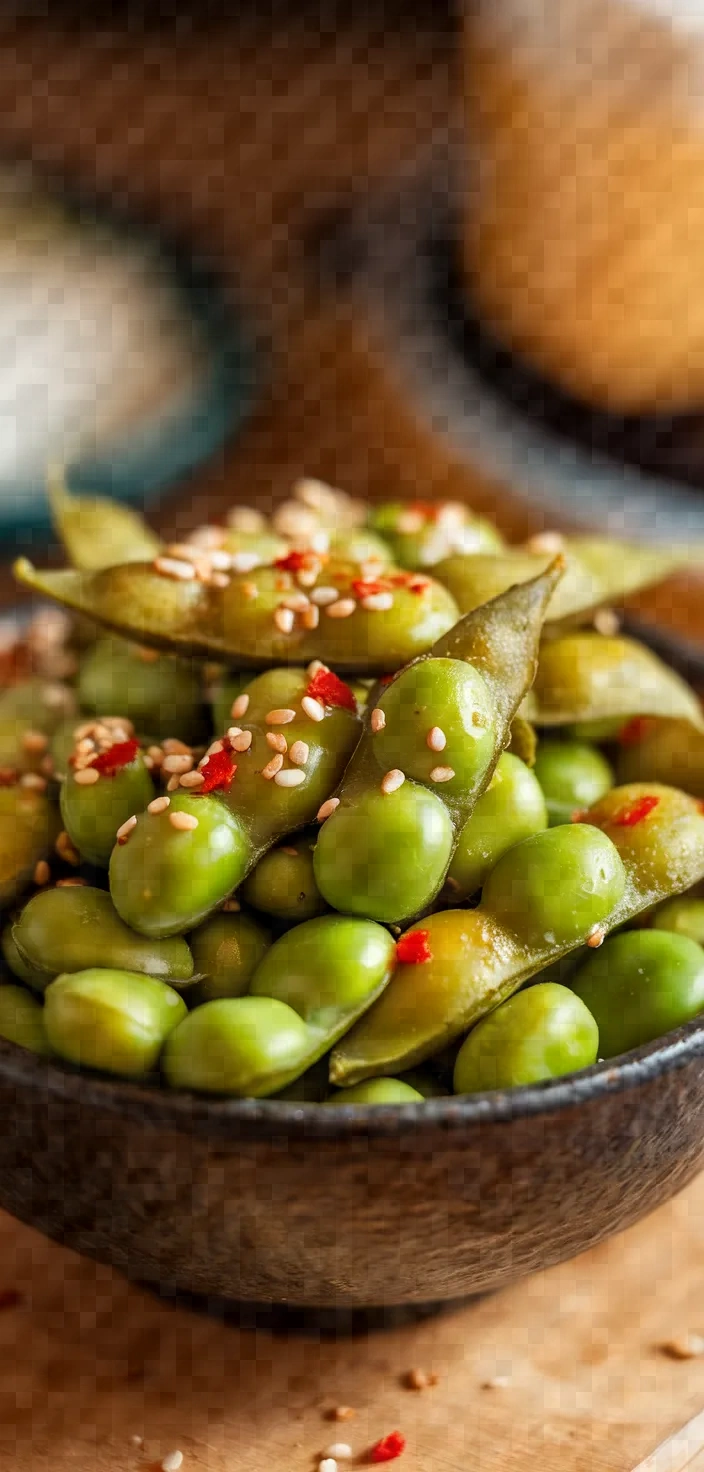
{"x": 392, "y": 781}
{"x": 326, "y": 809}
{"x": 312, "y": 708}
{"x": 183, "y": 822}
{"x": 341, "y": 1413}
{"x": 191, "y": 780}
{"x": 340, "y": 1450}
{"x": 324, "y": 596}
{"x": 290, "y": 778}
{"x": 33, "y": 782}
{"x": 442, "y": 774}
{"x": 436, "y": 739}
{"x": 310, "y": 618}
{"x": 596, "y": 938}
{"x": 172, "y": 1461}
{"x": 684, "y": 1347}
{"x": 378, "y": 720}
{"x": 419, "y": 1380}
{"x": 173, "y": 784}
{"x": 173, "y": 747}
{"x": 328, "y": 1464}
{"x": 177, "y": 765}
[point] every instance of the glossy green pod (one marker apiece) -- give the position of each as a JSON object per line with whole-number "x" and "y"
{"x": 586, "y": 677}
{"x": 74, "y": 929}
{"x": 226, "y": 951}
{"x": 116, "y": 1021}
{"x": 98, "y": 532}
{"x": 377, "y": 1091}
{"x": 159, "y": 694}
{"x": 512, "y": 808}
{"x": 29, "y": 827}
{"x": 236, "y": 1046}
{"x": 385, "y": 853}
{"x": 476, "y": 959}
{"x": 22, "y": 1020}
{"x": 92, "y": 815}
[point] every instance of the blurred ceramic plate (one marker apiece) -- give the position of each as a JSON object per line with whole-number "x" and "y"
{"x": 120, "y": 355}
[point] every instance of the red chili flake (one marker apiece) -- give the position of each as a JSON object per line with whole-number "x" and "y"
{"x": 634, "y": 812}
{"x": 219, "y": 771}
{"x": 636, "y": 730}
{"x": 115, "y": 758}
{"x": 329, "y": 689}
{"x": 429, "y": 509}
{"x": 9, "y": 776}
{"x": 413, "y": 948}
{"x": 386, "y": 679}
{"x": 369, "y": 587}
{"x": 410, "y": 580}
{"x": 293, "y": 561}
{"x": 389, "y": 1448}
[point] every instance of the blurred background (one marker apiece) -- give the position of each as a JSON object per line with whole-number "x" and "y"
{"x": 412, "y": 249}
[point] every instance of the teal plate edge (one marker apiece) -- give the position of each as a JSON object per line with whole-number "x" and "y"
{"x": 161, "y": 454}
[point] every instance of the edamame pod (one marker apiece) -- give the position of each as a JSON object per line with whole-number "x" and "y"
{"x": 97, "y": 531}
{"x": 585, "y": 677}
{"x": 640, "y": 985}
{"x": 662, "y": 750}
{"x": 513, "y": 807}
{"x": 75, "y": 929}
{"x": 683, "y": 916}
{"x": 443, "y": 722}
{"x": 463, "y": 963}
{"x": 540, "y": 1033}
{"x": 29, "y": 826}
{"x": 262, "y": 617}
{"x": 113, "y": 1020}
{"x": 377, "y": 1091}
{"x": 573, "y": 775}
{"x": 161, "y": 696}
{"x": 22, "y": 1020}
{"x": 422, "y": 533}
{"x": 30, "y": 712}
{"x": 93, "y": 816}
{"x": 283, "y": 882}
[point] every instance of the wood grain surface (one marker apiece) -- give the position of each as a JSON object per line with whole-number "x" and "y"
{"x": 244, "y": 136}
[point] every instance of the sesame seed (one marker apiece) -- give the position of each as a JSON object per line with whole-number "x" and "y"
{"x": 184, "y": 822}
{"x": 436, "y": 739}
{"x": 240, "y": 707}
{"x": 249, "y": 590}
{"x": 232, "y": 907}
{"x": 328, "y": 1464}
{"x": 392, "y": 781}
{"x": 324, "y": 595}
{"x": 231, "y": 732}
{"x": 172, "y": 1461}
{"x": 290, "y": 851}
{"x": 546, "y": 542}
{"x": 299, "y": 753}
{"x": 290, "y": 778}
{"x": 293, "y": 520}
{"x": 343, "y": 608}
{"x": 175, "y": 567}
{"x": 178, "y": 764}
{"x": 277, "y": 741}
{"x": 86, "y": 776}
{"x": 246, "y": 519}
{"x": 213, "y": 750}
{"x": 342, "y": 1413}
{"x": 123, "y": 833}
{"x": 218, "y": 580}
{"x": 378, "y": 602}
{"x": 378, "y": 720}
{"x": 42, "y": 873}
{"x": 596, "y": 938}
{"x": 241, "y": 742}
{"x": 310, "y": 618}
{"x": 34, "y": 742}
{"x": 442, "y": 774}
{"x": 340, "y": 1451}
{"x": 191, "y": 780}
{"x": 156, "y": 754}
{"x": 173, "y": 747}
{"x": 312, "y": 708}
{"x": 284, "y": 618}
{"x": 606, "y": 622}
{"x": 297, "y": 602}
{"x": 67, "y": 850}
{"x": 245, "y": 561}
{"x": 272, "y": 767}
{"x": 71, "y": 883}
{"x": 221, "y": 560}
{"x": 281, "y": 716}
{"x": 420, "y": 1380}
{"x": 410, "y": 522}
{"x": 327, "y": 809}
{"x": 33, "y": 782}
{"x": 173, "y": 784}
{"x": 159, "y": 805}
{"x": 315, "y": 667}
{"x": 207, "y": 537}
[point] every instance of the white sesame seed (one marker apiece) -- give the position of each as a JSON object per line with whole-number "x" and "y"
{"x": 297, "y": 602}
{"x": 546, "y": 542}
{"x": 272, "y": 767}
{"x": 173, "y": 747}
{"x": 299, "y": 753}
{"x": 319, "y": 541}
{"x": 242, "y": 742}
{"x": 315, "y": 667}
{"x": 159, "y": 805}
{"x": 378, "y": 602}
{"x": 240, "y": 706}
{"x": 156, "y": 754}
{"x": 436, "y": 739}
{"x": 213, "y": 750}
{"x": 312, "y": 708}
{"x": 249, "y": 590}
{"x": 42, "y": 872}
{"x": 126, "y": 829}
{"x": 174, "y": 567}
{"x": 442, "y": 774}
{"x": 316, "y": 494}
{"x": 310, "y": 618}
{"x": 392, "y": 781}
{"x": 172, "y": 1461}
{"x": 246, "y": 519}
{"x": 184, "y": 822}
{"x": 277, "y": 741}
{"x": 327, "y": 809}
{"x": 340, "y": 1451}
{"x": 34, "y": 742}
{"x": 67, "y": 850}
{"x": 607, "y": 622}
{"x": 378, "y": 720}
{"x": 191, "y": 780}
{"x": 178, "y": 764}
{"x": 233, "y": 731}
{"x": 221, "y": 560}
{"x": 86, "y": 776}
{"x": 343, "y": 608}
{"x": 218, "y": 580}
{"x": 328, "y": 1464}
{"x": 207, "y": 537}
{"x": 410, "y": 522}
{"x": 245, "y": 561}
{"x": 173, "y": 784}
{"x": 284, "y": 618}
{"x": 33, "y": 782}
{"x": 290, "y": 778}
{"x": 280, "y": 716}
{"x": 184, "y": 552}
{"x": 293, "y": 520}
{"x": 324, "y": 595}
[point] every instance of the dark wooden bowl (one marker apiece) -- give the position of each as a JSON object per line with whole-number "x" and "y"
{"x": 283, "y": 1203}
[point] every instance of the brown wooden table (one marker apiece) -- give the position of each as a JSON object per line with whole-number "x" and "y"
{"x": 244, "y": 136}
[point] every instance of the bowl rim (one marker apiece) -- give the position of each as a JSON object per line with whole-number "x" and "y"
{"x": 277, "y": 1121}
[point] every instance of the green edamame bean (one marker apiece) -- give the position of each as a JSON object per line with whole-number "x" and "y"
{"x": 96, "y": 531}
{"x": 512, "y": 808}
{"x": 422, "y": 534}
{"x": 326, "y": 967}
{"x": 159, "y": 694}
{"x": 283, "y": 883}
{"x": 18, "y": 964}
{"x": 22, "y": 1020}
{"x": 263, "y": 544}
{"x": 586, "y": 676}
{"x": 573, "y": 776}
{"x": 32, "y": 709}
{"x": 78, "y": 929}
{"x": 62, "y": 746}
{"x": 223, "y": 695}
{"x": 29, "y": 827}
{"x": 113, "y": 1020}
{"x": 640, "y": 985}
{"x": 438, "y": 701}
{"x": 538, "y": 1034}
{"x": 92, "y": 815}
{"x": 556, "y": 886}
{"x": 383, "y": 856}
{"x": 683, "y": 916}
{"x": 361, "y": 544}
{"x": 235, "y": 1046}
{"x": 166, "y": 879}
{"x": 377, "y": 1091}
{"x": 226, "y": 951}
{"x": 657, "y": 830}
